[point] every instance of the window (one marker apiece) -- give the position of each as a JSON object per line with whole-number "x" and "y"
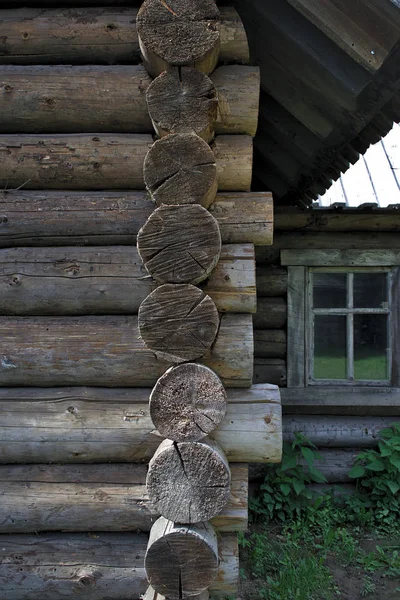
{"x": 343, "y": 313}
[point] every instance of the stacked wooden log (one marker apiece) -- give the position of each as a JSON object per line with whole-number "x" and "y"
{"x": 145, "y": 295}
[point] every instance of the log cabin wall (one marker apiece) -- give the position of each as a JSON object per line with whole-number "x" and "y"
{"x": 78, "y": 277}
{"x": 339, "y": 423}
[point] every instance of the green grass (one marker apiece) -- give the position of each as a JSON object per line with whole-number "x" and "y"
{"x": 334, "y": 367}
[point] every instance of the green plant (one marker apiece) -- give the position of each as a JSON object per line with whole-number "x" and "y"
{"x": 378, "y": 477}
{"x": 285, "y": 494}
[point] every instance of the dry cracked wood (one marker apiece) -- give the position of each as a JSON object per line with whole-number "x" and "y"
{"x": 181, "y": 560}
{"x": 179, "y": 33}
{"x": 151, "y": 594}
{"x": 188, "y": 482}
{"x": 181, "y": 169}
{"x": 178, "y": 322}
{"x": 187, "y": 403}
{"x": 180, "y": 244}
{"x": 183, "y": 100}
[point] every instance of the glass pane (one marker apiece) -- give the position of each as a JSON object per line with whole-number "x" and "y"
{"x": 370, "y": 290}
{"x": 370, "y": 347}
{"x": 330, "y": 347}
{"x": 330, "y": 290}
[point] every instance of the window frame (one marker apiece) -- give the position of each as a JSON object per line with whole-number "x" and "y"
{"x": 298, "y": 263}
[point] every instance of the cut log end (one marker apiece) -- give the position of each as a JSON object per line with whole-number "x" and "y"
{"x": 181, "y": 561}
{"x": 178, "y": 322}
{"x": 179, "y": 33}
{"x": 187, "y": 403}
{"x": 188, "y": 482}
{"x": 183, "y": 100}
{"x": 181, "y": 169}
{"x": 180, "y": 244}
{"x": 151, "y": 594}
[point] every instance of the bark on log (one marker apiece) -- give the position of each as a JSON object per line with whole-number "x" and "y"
{"x": 270, "y": 343}
{"x": 97, "y": 425}
{"x": 108, "y": 351}
{"x": 102, "y": 566}
{"x": 180, "y": 244}
{"x": 238, "y": 99}
{"x": 94, "y": 35}
{"x": 271, "y": 313}
{"x": 270, "y": 370}
{"x": 77, "y": 498}
{"x": 188, "y": 482}
{"x": 182, "y": 33}
{"x": 187, "y": 403}
{"x": 178, "y": 322}
{"x": 183, "y": 101}
{"x": 104, "y": 161}
{"x": 271, "y": 281}
{"x": 111, "y": 99}
{"x": 79, "y": 281}
{"x": 181, "y": 169}
{"x": 151, "y": 594}
{"x": 337, "y": 432}
{"x": 181, "y": 560}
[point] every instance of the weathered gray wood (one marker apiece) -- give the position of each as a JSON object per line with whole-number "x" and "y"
{"x": 187, "y": 403}
{"x": 270, "y": 370}
{"x": 108, "y": 351}
{"x": 333, "y": 220}
{"x": 151, "y": 594}
{"x": 111, "y": 99}
{"x": 181, "y": 33}
{"x": 271, "y": 313}
{"x": 181, "y": 169}
{"x": 102, "y": 566}
{"x": 77, "y": 497}
{"x": 111, "y": 161}
{"x": 384, "y": 257}
{"x": 336, "y": 432}
{"x": 324, "y": 400}
{"x": 271, "y": 281}
{"x": 77, "y": 280}
{"x": 315, "y": 241}
{"x": 181, "y": 560}
{"x": 111, "y": 218}
{"x": 183, "y": 100}
{"x": 395, "y": 325}
{"x": 296, "y": 335}
{"x": 178, "y": 322}
{"x": 94, "y": 35}
{"x": 270, "y": 343}
{"x": 238, "y": 99}
{"x": 188, "y": 482}
{"x": 180, "y": 244}
{"x": 98, "y": 425}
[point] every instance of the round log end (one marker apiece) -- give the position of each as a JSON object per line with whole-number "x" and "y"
{"x": 180, "y": 244}
{"x": 188, "y": 482}
{"x": 178, "y": 322}
{"x": 181, "y": 169}
{"x": 183, "y": 100}
{"x": 187, "y": 403}
{"x": 179, "y": 33}
{"x": 181, "y": 561}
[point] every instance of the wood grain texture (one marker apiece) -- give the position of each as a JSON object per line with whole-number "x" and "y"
{"x": 181, "y": 560}
{"x": 151, "y": 594}
{"x": 188, "y": 482}
{"x": 384, "y": 257}
{"x": 180, "y": 244}
{"x": 270, "y": 370}
{"x": 99, "y": 425}
{"x": 108, "y": 280}
{"x": 101, "y": 566}
{"x": 94, "y": 35}
{"x": 105, "y": 161}
{"x": 180, "y": 33}
{"x": 187, "y": 403}
{"x": 325, "y": 221}
{"x": 75, "y": 498}
{"x": 108, "y": 351}
{"x": 271, "y": 281}
{"x": 270, "y": 343}
{"x": 178, "y": 322}
{"x": 296, "y": 331}
{"x": 271, "y": 313}
{"x": 183, "y": 101}
{"x": 181, "y": 169}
